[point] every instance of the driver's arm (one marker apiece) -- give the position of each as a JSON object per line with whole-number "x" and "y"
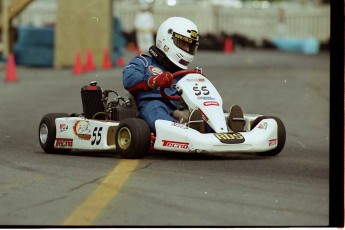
{"x": 136, "y": 80}
{"x": 135, "y": 77}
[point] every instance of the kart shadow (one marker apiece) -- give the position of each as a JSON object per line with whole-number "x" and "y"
{"x": 86, "y": 153}
{"x": 160, "y": 155}
{"x": 202, "y": 156}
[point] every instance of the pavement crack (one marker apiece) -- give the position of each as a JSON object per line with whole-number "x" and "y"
{"x": 18, "y": 167}
{"x": 45, "y": 202}
{"x": 102, "y": 177}
{"x": 146, "y": 165}
{"x": 84, "y": 184}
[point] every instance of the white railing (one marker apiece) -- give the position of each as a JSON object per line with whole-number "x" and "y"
{"x": 254, "y": 23}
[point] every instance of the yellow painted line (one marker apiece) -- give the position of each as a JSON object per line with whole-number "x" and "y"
{"x": 88, "y": 211}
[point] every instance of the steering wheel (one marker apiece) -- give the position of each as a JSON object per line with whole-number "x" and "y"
{"x": 175, "y": 75}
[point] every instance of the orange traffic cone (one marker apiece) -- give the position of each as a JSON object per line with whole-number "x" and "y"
{"x": 78, "y": 66}
{"x": 228, "y": 46}
{"x": 11, "y": 73}
{"x": 131, "y": 47}
{"x": 90, "y": 65}
{"x": 106, "y": 64}
{"x": 120, "y": 62}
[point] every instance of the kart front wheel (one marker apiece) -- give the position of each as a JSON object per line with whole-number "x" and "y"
{"x": 281, "y": 136}
{"x": 47, "y": 133}
{"x": 132, "y": 138}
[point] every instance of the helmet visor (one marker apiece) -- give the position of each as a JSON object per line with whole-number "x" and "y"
{"x": 187, "y": 44}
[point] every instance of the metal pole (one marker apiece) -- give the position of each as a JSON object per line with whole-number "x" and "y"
{"x": 5, "y": 29}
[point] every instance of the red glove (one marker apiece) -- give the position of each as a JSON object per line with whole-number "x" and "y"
{"x": 164, "y": 80}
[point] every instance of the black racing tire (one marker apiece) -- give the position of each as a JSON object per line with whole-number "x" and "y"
{"x": 47, "y": 133}
{"x": 281, "y": 135}
{"x": 132, "y": 138}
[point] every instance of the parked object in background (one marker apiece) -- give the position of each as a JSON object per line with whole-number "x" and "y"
{"x": 35, "y": 46}
{"x": 307, "y": 45}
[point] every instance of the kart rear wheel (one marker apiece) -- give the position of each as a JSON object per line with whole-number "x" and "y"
{"x": 132, "y": 138}
{"x": 47, "y": 133}
{"x": 281, "y": 136}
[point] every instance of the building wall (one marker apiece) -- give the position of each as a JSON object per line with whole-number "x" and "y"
{"x": 82, "y": 25}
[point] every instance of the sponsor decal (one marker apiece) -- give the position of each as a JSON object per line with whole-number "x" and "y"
{"x": 155, "y": 70}
{"x": 179, "y": 125}
{"x": 183, "y": 38}
{"x": 175, "y": 144}
{"x": 206, "y": 98}
{"x": 63, "y": 128}
{"x": 272, "y": 142}
{"x": 154, "y": 53}
{"x": 230, "y": 138}
{"x": 63, "y": 142}
{"x": 199, "y": 79}
{"x": 211, "y": 103}
{"x": 263, "y": 125}
{"x": 82, "y": 130}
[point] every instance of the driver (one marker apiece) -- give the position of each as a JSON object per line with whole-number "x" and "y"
{"x": 177, "y": 41}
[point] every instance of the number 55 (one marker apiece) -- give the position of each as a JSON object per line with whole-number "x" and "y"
{"x": 94, "y": 136}
{"x": 203, "y": 89}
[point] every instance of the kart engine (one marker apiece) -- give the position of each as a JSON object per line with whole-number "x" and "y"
{"x": 96, "y": 104}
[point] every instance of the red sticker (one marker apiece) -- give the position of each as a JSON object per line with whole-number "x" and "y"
{"x": 175, "y": 144}
{"x": 211, "y": 103}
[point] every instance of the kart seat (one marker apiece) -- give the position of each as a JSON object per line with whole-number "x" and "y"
{"x": 181, "y": 115}
{"x": 193, "y": 119}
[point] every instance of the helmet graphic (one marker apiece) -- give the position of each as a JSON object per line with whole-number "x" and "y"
{"x": 178, "y": 38}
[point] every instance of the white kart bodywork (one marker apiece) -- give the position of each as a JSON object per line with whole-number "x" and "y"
{"x": 87, "y": 134}
{"x": 179, "y": 138}
{"x": 198, "y": 93}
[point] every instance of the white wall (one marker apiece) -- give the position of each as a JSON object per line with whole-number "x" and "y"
{"x": 256, "y": 23}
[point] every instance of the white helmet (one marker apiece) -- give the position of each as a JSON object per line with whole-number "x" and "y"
{"x": 178, "y": 38}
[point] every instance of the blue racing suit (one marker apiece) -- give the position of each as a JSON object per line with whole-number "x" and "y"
{"x": 151, "y": 105}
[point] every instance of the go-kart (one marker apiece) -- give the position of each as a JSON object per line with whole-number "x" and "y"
{"x": 114, "y": 125}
